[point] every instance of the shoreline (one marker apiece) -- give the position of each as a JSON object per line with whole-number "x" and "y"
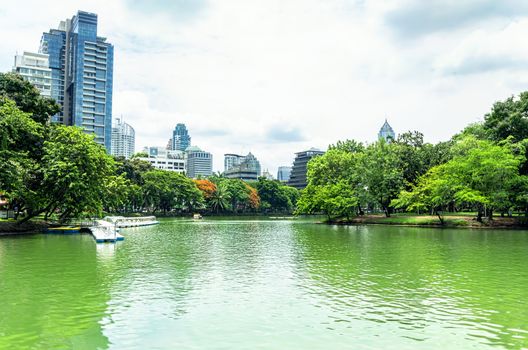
{"x": 426, "y": 221}
{"x": 10, "y": 228}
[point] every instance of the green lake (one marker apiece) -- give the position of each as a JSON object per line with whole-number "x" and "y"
{"x": 266, "y": 284}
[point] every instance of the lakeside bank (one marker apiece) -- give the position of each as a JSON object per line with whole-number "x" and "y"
{"x": 451, "y": 221}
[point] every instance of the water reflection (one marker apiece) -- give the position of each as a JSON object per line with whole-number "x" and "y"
{"x": 48, "y": 295}
{"x": 266, "y": 284}
{"x": 421, "y": 280}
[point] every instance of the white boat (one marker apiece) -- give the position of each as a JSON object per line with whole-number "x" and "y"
{"x": 121, "y": 221}
{"x": 197, "y": 216}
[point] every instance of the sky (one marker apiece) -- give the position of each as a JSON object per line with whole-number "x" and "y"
{"x": 276, "y": 77}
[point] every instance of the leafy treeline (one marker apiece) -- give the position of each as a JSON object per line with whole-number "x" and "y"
{"x": 60, "y": 172}
{"x": 482, "y": 169}
{"x": 153, "y": 190}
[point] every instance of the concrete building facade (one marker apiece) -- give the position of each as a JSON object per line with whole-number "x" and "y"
{"x": 34, "y": 67}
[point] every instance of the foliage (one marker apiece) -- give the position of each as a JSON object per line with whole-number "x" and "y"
{"x": 20, "y": 142}
{"x": 383, "y": 173}
{"x": 133, "y": 169}
{"x": 481, "y": 174}
{"x": 27, "y": 97}
{"x": 508, "y": 118}
{"x": 207, "y": 187}
{"x": 168, "y": 191}
{"x": 276, "y": 196}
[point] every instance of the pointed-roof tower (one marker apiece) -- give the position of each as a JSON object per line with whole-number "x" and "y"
{"x": 386, "y": 132}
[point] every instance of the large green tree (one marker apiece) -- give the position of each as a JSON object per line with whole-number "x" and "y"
{"x": 71, "y": 179}
{"x": 383, "y": 173}
{"x": 508, "y": 118}
{"x": 481, "y": 174}
{"x": 27, "y": 97}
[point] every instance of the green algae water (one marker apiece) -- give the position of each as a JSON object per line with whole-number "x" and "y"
{"x": 264, "y": 284}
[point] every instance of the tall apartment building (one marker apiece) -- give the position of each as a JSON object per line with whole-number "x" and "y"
{"x": 241, "y": 167}
{"x": 34, "y": 67}
{"x": 81, "y": 66}
{"x": 123, "y": 139}
{"x": 299, "y": 169}
{"x": 199, "y": 163}
{"x": 180, "y": 138}
{"x": 283, "y": 173}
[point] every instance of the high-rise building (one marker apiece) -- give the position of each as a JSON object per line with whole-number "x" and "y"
{"x": 34, "y": 67}
{"x": 123, "y": 139}
{"x": 386, "y": 132}
{"x": 53, "y": 43}
{"x": 180, "y": 138}
{"x": 283, "y": 173}
{"x": 299, "y": 169}
{"x": 82, "y": 66}
{"x": 199, "y": 163}
{"x": 241, "y": 167}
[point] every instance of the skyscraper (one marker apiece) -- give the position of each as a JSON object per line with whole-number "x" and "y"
{"x": 299, "y": 169}
{"x": 180, "y": 138}
{"x": 283, "y": 173}
{"x": 34, "y": 67}
{"x": 82, "y": 65}
{"x": 123, "y": 139}
{"x": 199, "y": 163}
{"x": 386, "y": 132}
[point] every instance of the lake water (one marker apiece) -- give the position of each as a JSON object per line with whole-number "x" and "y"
{"x": 266, "y": 284}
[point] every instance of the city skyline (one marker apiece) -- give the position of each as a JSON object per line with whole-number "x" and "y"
{"x": 242, "y": 85}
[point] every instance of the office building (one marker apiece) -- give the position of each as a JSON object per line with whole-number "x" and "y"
{"x": 241, "y": 167}
{"x": 164, "y": 159}
{"x": 299, "y": 168}
{"x": 386, "y": 132}
{"x": 81, "y": 64}
{"x": 231, "y": 160}
{"x": 34, "y": 67}
{"x": 199, "y": 163}
{"x": 283, "y": 173}
{"x": 123, "y": 139}
{"x": 180, "y": 138}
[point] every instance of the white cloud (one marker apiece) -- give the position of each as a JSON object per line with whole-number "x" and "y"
{"x": 324, "y": 70}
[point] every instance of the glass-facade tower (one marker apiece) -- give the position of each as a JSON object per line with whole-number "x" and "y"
{"x": 180, "y": 138}
{"x": 82, "y": 71}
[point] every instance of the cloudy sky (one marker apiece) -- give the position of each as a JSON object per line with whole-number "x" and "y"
{"x": 275, "y": 77}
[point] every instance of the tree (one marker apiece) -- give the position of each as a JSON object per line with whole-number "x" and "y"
{"x": 168, "y": 190}
{"x": 20, "y": 145}
{"x": 133, "y": 169}
{"x": 253, "y": 199}
{"x": 336, "y": 184}
{"x": 27, "y": 97}
{"x": 383, "y": 173}
{"x": 481, "y": 174}
{"x": 72, "y": 176}
{"x": 508, "y": 118}
{"x": 207, "y": 187}
{"x": 220, "y": 198}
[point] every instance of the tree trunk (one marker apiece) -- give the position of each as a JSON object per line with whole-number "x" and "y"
{"x": 440, "y": 217}
{"x": 479, "y": 214}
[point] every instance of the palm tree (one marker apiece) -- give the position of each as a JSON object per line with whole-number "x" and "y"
{"x": 220, "y": 198}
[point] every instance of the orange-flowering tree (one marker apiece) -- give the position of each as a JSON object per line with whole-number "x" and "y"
{"x": 207, "y": 187}
{"x": 254, "y": 198}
